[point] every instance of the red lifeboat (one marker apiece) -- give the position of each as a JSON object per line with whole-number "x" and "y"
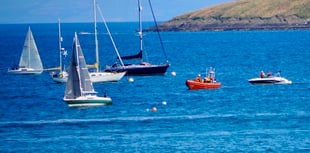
{"x": 208, "y": 82}
{"x": 195, "y": 85}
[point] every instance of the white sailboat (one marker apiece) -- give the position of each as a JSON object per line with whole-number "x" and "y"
{"x": 62, "y": 75}
{"x": 79, "y": 87}
{"x": 30, "y": 61}
{"x": 97, "y": 75}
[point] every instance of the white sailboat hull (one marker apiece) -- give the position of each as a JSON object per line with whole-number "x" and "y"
{"x": 95, "y": 77}
{"x": 24, "y": 71}
{"x": 89, "y": 100}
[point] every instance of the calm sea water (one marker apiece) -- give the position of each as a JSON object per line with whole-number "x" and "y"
{"x": 238, "y": 117}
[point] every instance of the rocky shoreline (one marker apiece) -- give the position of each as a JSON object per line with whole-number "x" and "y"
{"x": 227, "y": 27}
{"x": 225, "y": 24}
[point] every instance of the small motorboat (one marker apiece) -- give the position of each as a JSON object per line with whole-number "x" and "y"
{"x": 270, "y": 79}
{"x": 208, "y": 82}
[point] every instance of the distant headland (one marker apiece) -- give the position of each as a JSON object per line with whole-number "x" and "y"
{"x": 244, "y": 15}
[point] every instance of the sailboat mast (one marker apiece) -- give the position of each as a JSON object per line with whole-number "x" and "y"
{"x": 96, "y": 39}
{"x": 140, "y": 25}
{"x": 59, "y": 44}
{"x": 29, "y": 39}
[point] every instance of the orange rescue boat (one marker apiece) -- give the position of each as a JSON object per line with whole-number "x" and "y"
{"x": 194, "y": 85}
{"x": 208, "y": 82}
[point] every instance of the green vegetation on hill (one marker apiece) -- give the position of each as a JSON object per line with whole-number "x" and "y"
{"x": 257, "y": 8}
{"x": 245, "y": 15}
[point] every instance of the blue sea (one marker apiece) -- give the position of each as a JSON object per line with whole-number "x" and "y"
{"x": 238, "y": 117}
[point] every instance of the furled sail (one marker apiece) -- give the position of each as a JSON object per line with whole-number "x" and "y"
{"x": 137, "y": 56}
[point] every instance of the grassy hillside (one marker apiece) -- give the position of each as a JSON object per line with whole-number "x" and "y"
{"x": 256, "y": 8}
{"x": 245, "y": 14}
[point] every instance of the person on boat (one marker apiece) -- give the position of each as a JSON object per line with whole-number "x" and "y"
{"x": 278, "y": 74}
{"x": 269, "y": 74}
{"x": 54, "y": 74}
{"x": 115, "y": 64}
{"x": 145, "y": 63}
{"x": 214, "y": 80}
{"x": 210, "y": 78}
{"x": 207, "y": 80}
{"x": 262, "y": 74}
{"x": 15, "y": 67}
{"x": 198, "y": 78}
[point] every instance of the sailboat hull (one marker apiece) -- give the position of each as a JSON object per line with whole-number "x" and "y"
{"x": 97, "y": 77}
{"x": 141, "y": 69}
{"x": 88, "y": 101}
{"x": 25, "y": 71}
